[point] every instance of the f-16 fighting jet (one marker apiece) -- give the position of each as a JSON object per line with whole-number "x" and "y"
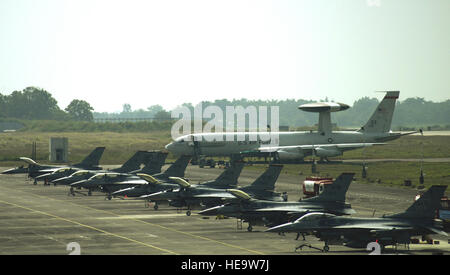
{"x": 354, "y": 232}
{"x": 153, "y": 161}
{"x": 189, "y": 195}
{"x": 270, "y": 213}
{"x": 111, "y": 182}
{"x": 35, "y": 169}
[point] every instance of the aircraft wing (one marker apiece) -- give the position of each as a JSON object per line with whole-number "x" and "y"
{"x": 49, "y": 170}
{"x": 224, "y": 195}
{"x": 375, "y": 228}
{"x": 133, "y": 181}
{"x": 340, "y": 146}
{"x": 281, "y": 209}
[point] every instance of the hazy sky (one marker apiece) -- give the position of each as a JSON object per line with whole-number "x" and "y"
{"x": 168, "y": 52}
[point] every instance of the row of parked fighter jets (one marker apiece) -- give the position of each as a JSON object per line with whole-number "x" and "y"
{"x": 256, "y": 204}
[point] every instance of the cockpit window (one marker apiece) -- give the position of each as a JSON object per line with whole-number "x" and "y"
{"x": 313, "y": 217}
{"x": 183, "y": 139}
{"x": 61, "y": 170}
{"x": 98, "y": 176}
{"x": 79, "y": 173}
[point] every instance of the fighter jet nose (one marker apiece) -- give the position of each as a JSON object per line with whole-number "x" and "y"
{"x": 273, "y": 229}
{"x": 123, "y": 192}
{"x": 59, "y": 181}
{"x": 9, "y": 171}
{"x": 280, "y": 228}
{"x": 209, "y": 212}
{"x": 78, "y": 183}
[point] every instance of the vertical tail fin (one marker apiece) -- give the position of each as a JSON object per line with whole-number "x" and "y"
{"x": 381, "y": 119}
{"x": 178, "y": 167}
{"x": 267, "y": 180}
{"x": 154, "y": 163}
{"x": 93, "y": 159}
{"x": 335, "y": 191}
{"x": 229, "y": 176}
{"x": 426, "y": 205}
{"x": 131, "y": 164}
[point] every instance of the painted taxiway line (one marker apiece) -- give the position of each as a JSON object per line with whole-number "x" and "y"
{"x": 149, "y": 223}
{"x": 87, "y": 226}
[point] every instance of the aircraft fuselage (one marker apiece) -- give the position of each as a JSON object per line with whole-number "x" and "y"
{"x": 226, "y": 144}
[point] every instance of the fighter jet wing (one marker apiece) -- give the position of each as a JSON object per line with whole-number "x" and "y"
{"x": 133, "y": 181}
{"x": 290, "y": 208}
{"x": 224, "y": 195}
{"x": 375, "y": 228}
{"x": 49, "y": 170}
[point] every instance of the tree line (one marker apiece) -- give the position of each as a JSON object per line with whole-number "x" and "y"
{"x": 409, "y": 113}
{"x": 37, "y": 104}
{"x": 33, "y": 103}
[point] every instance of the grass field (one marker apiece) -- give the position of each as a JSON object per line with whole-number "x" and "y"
{"x": 384, "y": 173}
{"x": 120, "y": 146}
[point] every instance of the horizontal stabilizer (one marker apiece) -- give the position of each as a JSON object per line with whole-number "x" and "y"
{"x": 436, "y": 230}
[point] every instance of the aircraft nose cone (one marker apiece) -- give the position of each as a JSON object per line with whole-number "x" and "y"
{"x": 168, "y": 146}
{"x": 279, "y": 228}
{"x": 131, "y": 192}
{"x": 210, "y": 211}
{"x": 79, "y": 183}
{"x": 9, "y": 171}
{"x": 122, "y": 192}
{"x": 60, "y": 181}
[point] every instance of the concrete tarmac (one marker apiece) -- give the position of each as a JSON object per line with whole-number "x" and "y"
{"x": 38, "y": 219}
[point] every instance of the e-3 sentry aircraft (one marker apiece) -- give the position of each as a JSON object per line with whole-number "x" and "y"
{"x": 294, "y": 146}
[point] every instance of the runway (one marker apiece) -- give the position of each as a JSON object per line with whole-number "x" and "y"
{"x": 44, "y": 220}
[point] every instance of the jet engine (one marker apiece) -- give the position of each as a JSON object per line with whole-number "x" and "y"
{"x": 328, "y": 152}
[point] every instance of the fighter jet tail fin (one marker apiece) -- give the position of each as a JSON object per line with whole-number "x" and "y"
{"x": 231, "y": 174}
{"x": 178, "y": 167}
{"x": 381, "y": 119}
{"x": 335, "y": 191}
{"x": 131, "y": 164}
{"x": 93, "y": 159}
{"x": 267, "y": 180}
{"x": 426, "y": 205}
{"x": 154, "y": 162}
